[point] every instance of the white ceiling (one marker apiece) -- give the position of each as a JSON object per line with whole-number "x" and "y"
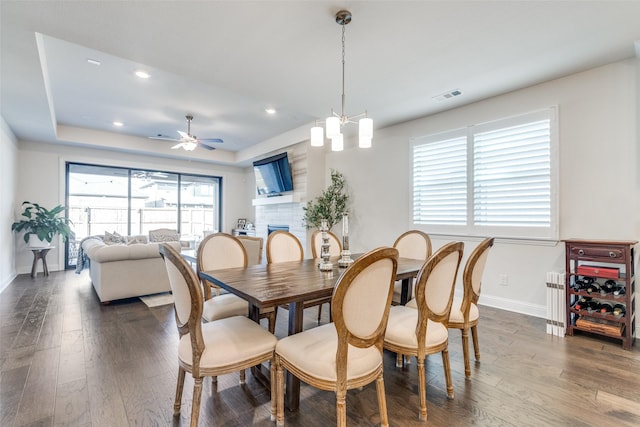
{"x": 225, "y": 61}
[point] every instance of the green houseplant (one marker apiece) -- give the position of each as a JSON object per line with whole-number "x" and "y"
{"x": 330, "y": 205}
{"x": 42, "y": 222}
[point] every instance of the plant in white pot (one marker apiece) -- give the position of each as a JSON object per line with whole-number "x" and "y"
{"x": 45, "y": 224}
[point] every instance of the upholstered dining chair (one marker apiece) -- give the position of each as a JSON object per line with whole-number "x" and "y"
{"x": 346, "y": 353}
{"x": 253, "y": 246}
{"x": 413, "y": 244}
{"x": 335, "y": 247}
{"x": 215, "y": 348}
{"x": 218, "y": 251}
{"x": 283, "y": 246}
{"x": 464, "y": 312}
{"x": 424, "y": 331}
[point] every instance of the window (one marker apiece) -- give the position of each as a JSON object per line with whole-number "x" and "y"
{"x": 134, "y": 201}
{"x": 495, "y": 179}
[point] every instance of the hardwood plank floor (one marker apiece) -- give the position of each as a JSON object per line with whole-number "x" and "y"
{"x": 67, "y": 360}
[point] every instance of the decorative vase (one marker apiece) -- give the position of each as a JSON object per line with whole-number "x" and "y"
{"x": 346, "y": 260}
{"x": 325, "y": 253}
{"x": 35, "y": 242}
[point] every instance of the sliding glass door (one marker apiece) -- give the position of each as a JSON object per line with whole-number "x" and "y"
{"x": 133, "y": 201}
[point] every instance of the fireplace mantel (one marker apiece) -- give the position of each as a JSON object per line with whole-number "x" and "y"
{"x": 288, "y": 198}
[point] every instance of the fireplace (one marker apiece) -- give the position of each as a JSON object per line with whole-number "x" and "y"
{"x": 275, "y": 227}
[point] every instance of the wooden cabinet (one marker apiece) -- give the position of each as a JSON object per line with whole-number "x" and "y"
{"x": 601, "y": 288}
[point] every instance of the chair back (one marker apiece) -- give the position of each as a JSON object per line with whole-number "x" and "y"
{"x": 361, "y": 302}
{"x": 221, "y": 250}
{"x": 283, "y": 246}
{"x": 253, "y": 247}
{"x": 472, "y": 276}
{"x": 435, "y": 285}
{"x": 187, "y": 293}
{"x": 413, "y": 244}
{"x": 335, "y": 248}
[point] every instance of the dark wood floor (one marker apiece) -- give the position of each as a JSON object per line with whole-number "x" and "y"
{"x": 68, "y": 360}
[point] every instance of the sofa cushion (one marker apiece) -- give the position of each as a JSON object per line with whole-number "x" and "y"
{"x": 98, "y": 251}
{"x": 163, "y": 235}
{"x": 114, "y": 238}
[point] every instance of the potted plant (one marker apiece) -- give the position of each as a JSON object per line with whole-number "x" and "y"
{"x": 330, "y": 205}
{"x": 45, "y": 224}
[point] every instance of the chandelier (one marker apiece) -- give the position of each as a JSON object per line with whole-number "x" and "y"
{"x": 335, "y": 122}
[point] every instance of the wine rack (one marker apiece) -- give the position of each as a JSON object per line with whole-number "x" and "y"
{"x": 601, "y": 288}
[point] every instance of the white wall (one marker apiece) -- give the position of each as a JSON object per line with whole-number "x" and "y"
{"x": 8, "y": 161}
{"x": 598, "y": 113}
{"x": 41, "y": 175}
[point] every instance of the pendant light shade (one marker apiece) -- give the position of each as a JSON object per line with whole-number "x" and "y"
{"x": 337, "y": 143}
{"x": 366, "y": 128}
{"x": 333, "y": 127}
{"x": 317, "y": 136}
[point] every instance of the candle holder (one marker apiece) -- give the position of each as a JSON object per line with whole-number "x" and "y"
{"x": 325, "y": 253}
{"x": 345, "y": 260}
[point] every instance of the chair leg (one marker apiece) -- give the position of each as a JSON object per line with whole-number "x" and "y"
{"x": 274, "y": 385}
{"x": 399, "y": 360}
{"x": 341, "y": 408}
{"x": 422, "y": 390}
{"x": 280, "y": 391}
{"x": 242, "y": 377}
{"x": 197, "y": 394}
{"x": 476, "y": 346}
{"x": 319, "y": 313}
{"x": 465, "y": 352}
{"x": 272, "y": 320}
{"x": 447, "y": 372}
{"x": 179, "y": 387}
{"x": 382, "y": 401}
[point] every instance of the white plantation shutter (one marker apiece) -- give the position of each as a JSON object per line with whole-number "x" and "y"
{"x": 440, "y": 182}
{"x": 512, "y": 176}
{"x": 493, "y": 179}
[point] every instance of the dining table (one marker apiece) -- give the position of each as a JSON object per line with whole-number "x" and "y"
{"x": 290, "y": 284}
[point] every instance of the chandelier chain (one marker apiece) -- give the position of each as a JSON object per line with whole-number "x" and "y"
{"x": 342, "y": 116}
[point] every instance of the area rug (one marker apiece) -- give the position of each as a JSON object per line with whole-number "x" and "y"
{"x": 157, "y": 299}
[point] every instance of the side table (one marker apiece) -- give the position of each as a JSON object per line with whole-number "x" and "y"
{"x": 40, "y": 253}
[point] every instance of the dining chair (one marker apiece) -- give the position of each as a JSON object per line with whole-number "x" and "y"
{"x": 253, "y": 246}
{"x": 218, "y": 251}
{"x": 348, "y": 352}
{"x": 215, "y": 348}
{"x": 335, "y": 247}
{"x": 424, "y": 331}
{"x": 464, "y": 312}
{"x": 283, "y": 246}
{"x": 413, "y": 244}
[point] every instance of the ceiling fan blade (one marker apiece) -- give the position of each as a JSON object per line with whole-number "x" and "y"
{"x": 176, "y": 146}
{"x": 184, "y": 135}
{"x": 218, "y": 140}
{"x": 205, "y": 146}
{"x": 164, "y": 138}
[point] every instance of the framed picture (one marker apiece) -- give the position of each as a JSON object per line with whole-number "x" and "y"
{"x": 242, "y": 222}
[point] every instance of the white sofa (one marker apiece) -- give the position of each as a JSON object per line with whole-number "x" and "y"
{"x": 124, "y": 271}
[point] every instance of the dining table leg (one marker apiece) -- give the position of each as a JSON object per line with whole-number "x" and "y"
{"x": 407, "y": 290}
{"x": 292, "y": 398}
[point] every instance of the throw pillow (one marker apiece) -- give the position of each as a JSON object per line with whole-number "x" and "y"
{"x": 114, "y": 238}
{"x": 164, "y": 235}
{"x": 131, "y": 240}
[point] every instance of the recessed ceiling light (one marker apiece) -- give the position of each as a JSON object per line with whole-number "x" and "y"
{"x": 93, "y": 61}
{"x": 119, "y": 124}
{"x": 270, "y": 110}
{"x": 142, "y": 74}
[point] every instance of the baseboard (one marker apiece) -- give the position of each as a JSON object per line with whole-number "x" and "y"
{"x": 7, "y": 282}
{"x": 514, "y": 305}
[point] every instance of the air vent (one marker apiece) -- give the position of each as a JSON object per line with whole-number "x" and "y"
{"x": 448, "y": 95}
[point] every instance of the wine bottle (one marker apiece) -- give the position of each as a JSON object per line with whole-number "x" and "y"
{"x": 594, "y": 287}
{"x": 619, "y": 310}
{"x": 581, "y": 303}
{"x": 606, "y": 308}
{"x": 608, "y": 287}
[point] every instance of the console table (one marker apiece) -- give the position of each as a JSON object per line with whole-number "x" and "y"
{"x": 40, "y": 253}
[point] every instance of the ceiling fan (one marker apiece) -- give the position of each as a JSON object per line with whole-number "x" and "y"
{"x": 190, "y": 142}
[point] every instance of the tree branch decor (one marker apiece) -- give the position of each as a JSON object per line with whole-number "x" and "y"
{"x": 330, "y": 205}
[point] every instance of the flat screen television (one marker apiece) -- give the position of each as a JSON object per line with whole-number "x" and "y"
{"x": 273, "y": 175}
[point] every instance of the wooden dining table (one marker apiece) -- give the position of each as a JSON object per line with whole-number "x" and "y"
{"x": 291, "y": 284}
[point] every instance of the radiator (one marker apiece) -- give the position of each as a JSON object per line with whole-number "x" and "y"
{"x": 556, "y": 303}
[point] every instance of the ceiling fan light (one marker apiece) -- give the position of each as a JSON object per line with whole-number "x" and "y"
{"x": 333, "y": 127}
{"x": 366, "y": 128}
{"x": 317, "y": 136}
{"x": 337, "y": 143}
{"x": 189, "y": 146}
